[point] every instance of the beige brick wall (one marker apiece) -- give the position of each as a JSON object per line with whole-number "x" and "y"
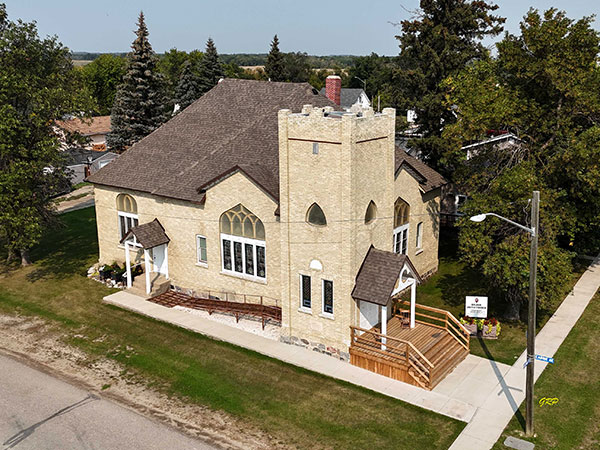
{"x": 183, "y": 221}
{"x": 354, "y": 165}
{"x": 423, "y": 208}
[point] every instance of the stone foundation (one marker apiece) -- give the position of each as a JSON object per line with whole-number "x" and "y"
{"x": 316, "y": 347}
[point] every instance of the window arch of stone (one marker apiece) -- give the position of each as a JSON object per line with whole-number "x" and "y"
{"x": 126, "y": 203}
{"x": 315, "y": 215}
{"x": 239, "y": 221}
{"x": 371, "y": 213}
{"x": 401, "y": 213}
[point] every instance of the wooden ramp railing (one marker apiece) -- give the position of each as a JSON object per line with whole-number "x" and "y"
{"x": 440, "y": 318}
{"x": 237, "y": 309}
{"x": 399, "y": 358}
{"x": 398, "y": 354}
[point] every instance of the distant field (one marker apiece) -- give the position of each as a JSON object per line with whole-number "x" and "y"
{"x": 81, "y": 62}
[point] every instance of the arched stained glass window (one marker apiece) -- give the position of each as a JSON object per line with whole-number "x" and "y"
{"x": 243, "y": 247}
{"x": 127, "y": 214}
{"x": 401, "y": 213}
{"x": 371, "y": 213}
{"x": 315, "y": 215}
{"x": 126, "y": 203}
{"x": 239, "y": 221}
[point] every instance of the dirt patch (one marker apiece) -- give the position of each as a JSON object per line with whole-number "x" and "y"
{"x": 34, "y": 342}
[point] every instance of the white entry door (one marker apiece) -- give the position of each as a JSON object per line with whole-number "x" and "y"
{"x": 159, "y": 260}
{"x": 369, "y": 315}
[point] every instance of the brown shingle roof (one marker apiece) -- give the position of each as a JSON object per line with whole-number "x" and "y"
{"x": 428, "y": 178}
{"x": 231, "y": 127}
{"x": 98, "y": 125}
{"x": 149, "y": 234}
{"x": 378, "y": 275}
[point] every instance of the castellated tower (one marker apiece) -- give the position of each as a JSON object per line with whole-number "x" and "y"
{"x": 336, "y": 172}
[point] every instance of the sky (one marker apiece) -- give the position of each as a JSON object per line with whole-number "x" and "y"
{"x": 325, "y": 27}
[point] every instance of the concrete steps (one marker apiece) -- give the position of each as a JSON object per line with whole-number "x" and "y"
{"x": 159, "y": 285}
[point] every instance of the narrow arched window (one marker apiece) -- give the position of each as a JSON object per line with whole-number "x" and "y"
{"x": 243, "y": 246}
{"x": 371, "y": 213}
{"x": 315, "y": 215}
{"x": 127, "y": 214}
{"x": 401, "y": 226}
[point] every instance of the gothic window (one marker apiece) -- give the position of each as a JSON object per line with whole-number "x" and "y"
{"x": 243, "y": 243}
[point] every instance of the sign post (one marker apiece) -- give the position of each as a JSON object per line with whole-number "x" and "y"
{"x": 476, "y": 307}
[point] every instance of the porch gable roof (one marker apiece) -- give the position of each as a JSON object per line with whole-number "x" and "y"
{"x": 149, "y": 235}
{"x": 378, "y": 276}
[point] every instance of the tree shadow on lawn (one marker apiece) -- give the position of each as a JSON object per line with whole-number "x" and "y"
{"x": 68, "y": 248}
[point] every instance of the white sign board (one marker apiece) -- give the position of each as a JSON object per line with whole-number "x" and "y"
{"x": 476, "y": 307}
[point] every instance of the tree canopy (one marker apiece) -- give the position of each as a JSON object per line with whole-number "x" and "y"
{"x": 274, "y": 66}
{"x": 211, "y": 70}
{"x": 440, "y": 40}
{"x": 141, "y": 104}
{"x": 102, "y": 77}
{"x": 38, "y": 86}
{"x": 544, "y": 86}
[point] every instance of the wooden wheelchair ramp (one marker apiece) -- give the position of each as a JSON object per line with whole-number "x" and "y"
{"x": 421, "y": 356}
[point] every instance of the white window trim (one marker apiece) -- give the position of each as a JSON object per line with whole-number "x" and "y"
{"x": 120, "y": 214}
{"x": 303, "y": 308}
{"x": 323, "y": 313}
{"x": 399, "y": 230}
{"x": 419, "y": 241}
{"x": 243, "y": 240}
{"x": 199, "y": 262}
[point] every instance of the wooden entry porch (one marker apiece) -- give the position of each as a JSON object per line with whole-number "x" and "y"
{"x": 421, "y": 356}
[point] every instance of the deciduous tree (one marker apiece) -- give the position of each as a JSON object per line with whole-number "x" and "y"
{"x": 544, "y": 86}
{"x": 102, "y": 78}
{"x": 38, "y": 86}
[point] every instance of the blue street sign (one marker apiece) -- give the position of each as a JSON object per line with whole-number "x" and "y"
{"x": 526, "y": 363}
{"x": 544, "y": 359}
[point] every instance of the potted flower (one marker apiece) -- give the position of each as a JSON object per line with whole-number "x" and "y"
{"x": 491, "y": 328}
{"x": 105, "y": 272}
{"x": 470, "y": 324}
{"x": 117, "y": 273}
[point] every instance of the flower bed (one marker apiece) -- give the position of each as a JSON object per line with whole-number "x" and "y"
{"x": 485, "y": 328}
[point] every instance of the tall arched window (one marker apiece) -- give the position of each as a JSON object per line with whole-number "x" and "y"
{"x": 128, "y": 214}
{"x": 243, "y": 243}
{"x": 371, "y": 213}
{"x": 315, "y": 215}
{"x": 401, "y": 226}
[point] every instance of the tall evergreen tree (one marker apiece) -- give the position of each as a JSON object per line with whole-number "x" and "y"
{"x": 275, "y": 66}
{"x": 211, "y": 70}
{"x": 188, "y": 88}
{"x": 140, "y": 105}
{"x": 442, "y": 39}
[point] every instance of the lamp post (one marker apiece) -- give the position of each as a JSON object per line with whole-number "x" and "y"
{"x": 364, "y": 84}
{"x": 534, "y": 232}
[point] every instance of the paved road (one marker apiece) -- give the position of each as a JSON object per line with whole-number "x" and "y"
{"x": 40, "y": 412}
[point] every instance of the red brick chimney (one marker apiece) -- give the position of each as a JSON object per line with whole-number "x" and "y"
{"x": 333, "y": 88}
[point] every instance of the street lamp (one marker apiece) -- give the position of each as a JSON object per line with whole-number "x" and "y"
{"x": 363, "y": 82}
{"x": 534, "y": 232}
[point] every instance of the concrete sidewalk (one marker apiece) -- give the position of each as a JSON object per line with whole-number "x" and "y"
{"x": 435, "y": 401}
{"x": 481, "y": 392}
{"x": 497, "y": 408}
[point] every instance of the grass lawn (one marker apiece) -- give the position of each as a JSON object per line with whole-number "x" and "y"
{"x": 453, "y": 281}
{"x": 295, "y": 406}
{"x": 573, "y": 422}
